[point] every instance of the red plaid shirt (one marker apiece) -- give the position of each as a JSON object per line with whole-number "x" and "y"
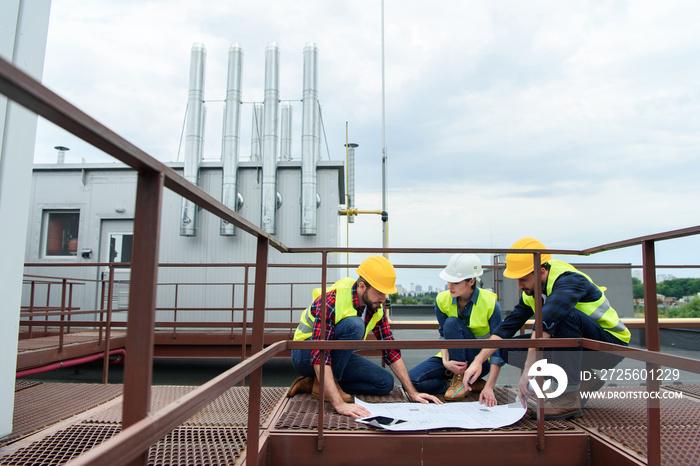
{"x": 382, "y": 331}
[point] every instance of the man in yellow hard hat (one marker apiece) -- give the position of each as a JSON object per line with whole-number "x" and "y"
{"x": 353, "y": 308}
{"x": 573, "y": 307}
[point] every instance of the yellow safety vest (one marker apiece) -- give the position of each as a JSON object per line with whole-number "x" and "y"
{"x": 481, "y": 312}
{"x": 600, "y": 310}
{"x": 343, "y": 309}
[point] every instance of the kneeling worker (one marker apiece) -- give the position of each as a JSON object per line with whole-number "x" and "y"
{"x": 467, "y": 312}
{"x": 353, "y": 308}
{"x": 573, "y": 307}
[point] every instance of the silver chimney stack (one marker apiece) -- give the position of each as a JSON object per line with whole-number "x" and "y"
{"x": 351, "y": 179}
{"x": 310, "y": 140}
{"x": 231, "y": 138}
{"x": 194, "y": 139}
{"x": 256, "y": 138}
{"x": 61, "y": 157}
{"x": 286, "y": 139}
{"x": 270, "y": 140}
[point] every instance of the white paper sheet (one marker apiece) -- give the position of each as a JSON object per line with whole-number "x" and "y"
{"x": 462, "y": 415}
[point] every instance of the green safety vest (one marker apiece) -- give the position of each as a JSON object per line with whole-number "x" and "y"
{"x": 481, "y": 312}
{"x": 600, "y": 310}
{"x": 343, "y": 309}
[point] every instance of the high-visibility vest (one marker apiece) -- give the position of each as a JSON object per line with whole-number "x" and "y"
{"x": 481, "y": 311}
{"x": 600, "y": 310}
{"x": 343, "y": 309}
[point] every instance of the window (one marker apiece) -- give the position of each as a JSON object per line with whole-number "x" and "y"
{"x": 62, "y": 233}
{"x": 120, "y": 247}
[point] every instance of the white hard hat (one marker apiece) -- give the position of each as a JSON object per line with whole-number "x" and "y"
{"x": 462, "y": 267}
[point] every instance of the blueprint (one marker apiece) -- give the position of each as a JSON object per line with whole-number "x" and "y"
{"x": 418, "y": 416}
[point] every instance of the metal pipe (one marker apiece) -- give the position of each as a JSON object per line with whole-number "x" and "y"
{"x": 231, "y": 137}
{"x": 286, "y": 138}
{"x": 194, "y": 138}
{"x": 256, "y": 133}
{"x": 68, "y": 363}
{"x": 270, "y": 139}
{"x": 310, "y": 141}
{"x": 351, "y": 179}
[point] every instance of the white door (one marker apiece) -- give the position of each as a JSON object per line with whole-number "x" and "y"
{"x": 115, "y": 247}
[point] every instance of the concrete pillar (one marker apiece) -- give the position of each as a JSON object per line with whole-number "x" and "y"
{"x": 24, "y": 27}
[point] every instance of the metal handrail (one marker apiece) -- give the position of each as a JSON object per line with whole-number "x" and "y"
{"x": 153, "y": 176}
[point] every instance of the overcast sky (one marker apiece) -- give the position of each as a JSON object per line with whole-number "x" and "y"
{"x": 570, "y": 121}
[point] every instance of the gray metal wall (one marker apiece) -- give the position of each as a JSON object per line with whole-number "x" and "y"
{"x": 100, "y": 192}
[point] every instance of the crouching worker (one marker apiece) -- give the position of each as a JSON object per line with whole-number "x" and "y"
{"x": 353, "y": 308}
{"x": 464, "y": 312}
{"x": 573, "y": 306}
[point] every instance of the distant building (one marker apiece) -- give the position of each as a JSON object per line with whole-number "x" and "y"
{"x": 664, "y": 277}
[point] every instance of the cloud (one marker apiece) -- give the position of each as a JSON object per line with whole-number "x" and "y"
{"x": 574, "y": 122}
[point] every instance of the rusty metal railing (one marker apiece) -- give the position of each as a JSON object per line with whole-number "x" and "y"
{"x": 141, "y": 428}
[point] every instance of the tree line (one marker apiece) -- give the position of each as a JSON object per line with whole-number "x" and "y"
{"x": 674, "y": 288}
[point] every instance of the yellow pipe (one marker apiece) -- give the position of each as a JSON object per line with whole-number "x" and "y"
{"x": 349, "y": 212}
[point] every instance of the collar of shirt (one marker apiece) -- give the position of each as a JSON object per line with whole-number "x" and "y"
{"x": 473, "y": 299}
{"x": 356, "y": 300}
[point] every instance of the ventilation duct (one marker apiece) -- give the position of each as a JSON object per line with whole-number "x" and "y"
{"x": 270, "y": 140}
{"x": 194, "y": 139}
{"x": 256, "y": 138}
{"x": 286, "y": 134}
{"x": 310, "y": 141}
{"x": 231, "y": 137}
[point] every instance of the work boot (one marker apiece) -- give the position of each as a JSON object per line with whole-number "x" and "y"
{"x": 590, "y": 386}
{"x": 478, "y": 386}
{"x": 565, "y": 406}
{"x": 315, "y": 391}
{"x": 301, "y": 385}
{"x": 456, "y": 391}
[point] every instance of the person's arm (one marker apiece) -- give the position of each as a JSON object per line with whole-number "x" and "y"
{"x": 473, "y": 372}
{"x": 331, "y": 391}
{"x": 569, "y": 289}
{"x": 487, "y": 396}
{"x": 524, "y": 390}
{"x": 399, "y": 368}
{"x": 456, "y": 367}
{"x": 317, "y": 332}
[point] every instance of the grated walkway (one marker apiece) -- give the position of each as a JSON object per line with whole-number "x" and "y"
{"x": 217, "y": 434}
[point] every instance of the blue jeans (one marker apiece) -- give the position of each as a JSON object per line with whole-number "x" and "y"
{"x": 430, "y": 376}
{"x": 572, "y": 360}
{"x": 354, "y": 373}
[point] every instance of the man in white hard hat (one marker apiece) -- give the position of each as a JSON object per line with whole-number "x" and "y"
{"x": 464, "y": 312}
{"x": 353, "y": 308}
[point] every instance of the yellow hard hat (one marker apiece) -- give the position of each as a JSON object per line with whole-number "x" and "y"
{"x": 379, "y": 273}
{"x": 519, "y": 265}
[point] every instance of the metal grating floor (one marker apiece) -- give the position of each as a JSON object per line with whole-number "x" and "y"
{"x": 214, "y": 436}
{"x": 45, "y": 404}
{"x": 185, "y": 445}
{"x": 68, "y": 339}
{"x": 625, "y": 421}
{"x": 22, "y": 384}
{"x": 230, "y": 409}
{"x": 217, "y": 434}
